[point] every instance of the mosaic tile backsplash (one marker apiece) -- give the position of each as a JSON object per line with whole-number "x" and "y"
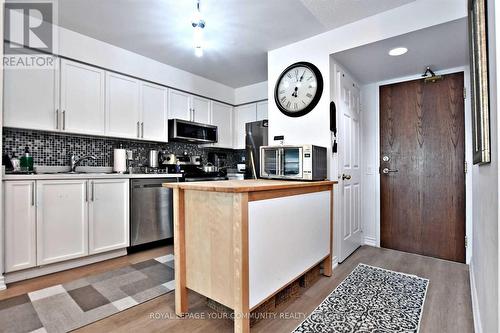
{"x": 55, "y": 149}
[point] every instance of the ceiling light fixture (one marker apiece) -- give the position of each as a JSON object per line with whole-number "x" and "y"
{"x": 398, "y": 51}
{"x": 198, "y": 24}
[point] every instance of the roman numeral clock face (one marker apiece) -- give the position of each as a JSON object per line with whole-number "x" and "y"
{"x": 298, "y": 89}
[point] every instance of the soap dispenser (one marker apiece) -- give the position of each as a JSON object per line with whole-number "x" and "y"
{"x": 26, "y": 161}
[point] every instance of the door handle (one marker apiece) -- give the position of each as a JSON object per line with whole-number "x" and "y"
{"x": 344, "y": 177}
{"x": 386, "y": 171}
{"x": 33, "y": 199}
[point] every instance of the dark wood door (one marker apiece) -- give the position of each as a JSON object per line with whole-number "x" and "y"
{"x": 422, "y": 136}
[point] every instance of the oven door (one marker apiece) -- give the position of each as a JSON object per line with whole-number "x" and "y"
{"x": 291, "y": 162}
{"x": 270, "y": 162}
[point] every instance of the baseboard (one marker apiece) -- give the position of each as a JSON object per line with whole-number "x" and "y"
{"x": 61, "y": 266}
{"x": 372, "y": 241}
{"x": 475, "y": 302}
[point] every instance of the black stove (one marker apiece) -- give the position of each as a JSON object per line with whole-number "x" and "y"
{"x": 195, "y": 173}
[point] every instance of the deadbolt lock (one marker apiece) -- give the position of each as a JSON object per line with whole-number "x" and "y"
{"x": 386, "y": 158}
{"x": 344, "y": 177}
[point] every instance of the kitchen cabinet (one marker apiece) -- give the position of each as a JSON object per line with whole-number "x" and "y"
{"x": 179, "y": 105}
{"x": 154, "y": 118}
{"x": 82, "y": 98}
{"x": 188, "y": 107}
{"x": 200, "y": 108}
{"x": 122, "y": 106}
{"x": 20, "y": 225}
{"x": 222, "y": 117}
{"x": 62, "y": 227}
{"x": 31, "y": 98}
{"x": 262, "y": 110}
{"x": 108, "y": 214}
{"x": 243, "y": 114}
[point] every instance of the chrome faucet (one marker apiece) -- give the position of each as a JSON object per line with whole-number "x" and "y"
{"x": 75, "y": 161}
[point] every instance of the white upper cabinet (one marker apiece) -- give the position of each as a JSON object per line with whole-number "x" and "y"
{"x": 62, "y": 224}
{"x": 31, "y": 98}
{"x": 154, "y": 118}
{"x": 222, "y": 117}
{"x": 188, "y": 107}
{"x": 122, "y": 106}
{"x": 108, "y": 214}
{"x": 243, "y": 114}
{"x": 20, "y": 225}
{"x": 179, "y": 105}
{"x": 82, "y": 98}
{"x": 200, "y": 110}
{"x": 262, "y": 110}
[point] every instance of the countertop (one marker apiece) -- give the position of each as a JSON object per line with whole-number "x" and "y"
{"x": 63, "y": 176}
{"x": 249, "y": 185}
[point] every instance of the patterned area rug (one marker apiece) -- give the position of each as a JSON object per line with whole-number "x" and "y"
{"x": 371, "y": 299}
{"x": 68, "y": 306}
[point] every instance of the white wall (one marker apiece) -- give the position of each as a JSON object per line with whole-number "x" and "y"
{"x": 90, "y": 50}
{"x": 484, "y": 265}
{"x": 252, "y": 93}
{"x": 370, "y": 152}
{"x": 314, "y": 127}
{"x": 2, "y": 281}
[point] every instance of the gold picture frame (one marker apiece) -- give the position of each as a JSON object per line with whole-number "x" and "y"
{"x": 478, "y": 39}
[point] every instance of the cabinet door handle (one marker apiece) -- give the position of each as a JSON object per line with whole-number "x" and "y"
{"x": 93, "y": 191}
{"x": 86, "y": 192}
{"x": 33, "y": 199}
{"x": 64, "y": 120}
{"x": 138, "y": 131}
{"x": 142, "y": 130}
{"x": 57, "y": 118}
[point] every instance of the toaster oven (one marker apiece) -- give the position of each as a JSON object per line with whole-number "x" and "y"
{"x": 297, "y": 162}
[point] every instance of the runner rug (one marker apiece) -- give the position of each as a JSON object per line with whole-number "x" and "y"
{"x": 371, "y": 299}
{"x": 68, "y": 306}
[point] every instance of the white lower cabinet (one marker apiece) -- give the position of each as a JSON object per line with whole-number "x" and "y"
{"x": 62, "y": 227}
{"x": 20, "y": 225}
{"x": 48, "y": 221}
{"x": 108, "y": 215}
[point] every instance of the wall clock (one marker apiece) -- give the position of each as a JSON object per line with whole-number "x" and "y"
{"x": 298, "y": 89}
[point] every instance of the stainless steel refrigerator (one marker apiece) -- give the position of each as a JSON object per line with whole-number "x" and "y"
{"x": 256, "y": 136}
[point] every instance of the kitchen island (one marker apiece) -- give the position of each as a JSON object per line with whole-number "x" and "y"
{"x": 239, "y": 242}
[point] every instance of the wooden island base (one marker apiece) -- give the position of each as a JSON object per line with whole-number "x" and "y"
{"x": 240, "y": 242}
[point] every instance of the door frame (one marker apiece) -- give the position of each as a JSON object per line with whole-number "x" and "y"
{"x": 468, "y": 156}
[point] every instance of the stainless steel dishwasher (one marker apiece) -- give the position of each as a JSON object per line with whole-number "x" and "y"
{"x": 151, "y": 212}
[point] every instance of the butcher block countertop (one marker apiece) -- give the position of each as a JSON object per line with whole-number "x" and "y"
{"x": 249, "y": 185}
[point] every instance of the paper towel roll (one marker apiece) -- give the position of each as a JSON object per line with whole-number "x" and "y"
{"x": 119, "y": 160}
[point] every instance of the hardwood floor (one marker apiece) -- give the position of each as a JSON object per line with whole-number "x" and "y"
{"x": 447, "y": 307}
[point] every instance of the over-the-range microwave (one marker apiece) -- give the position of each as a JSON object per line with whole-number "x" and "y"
{"x": 300, "y": 162}
{"x": 189, "y": 131}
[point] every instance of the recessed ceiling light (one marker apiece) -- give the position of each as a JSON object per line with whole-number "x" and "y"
{"x": 398, "y": 51}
